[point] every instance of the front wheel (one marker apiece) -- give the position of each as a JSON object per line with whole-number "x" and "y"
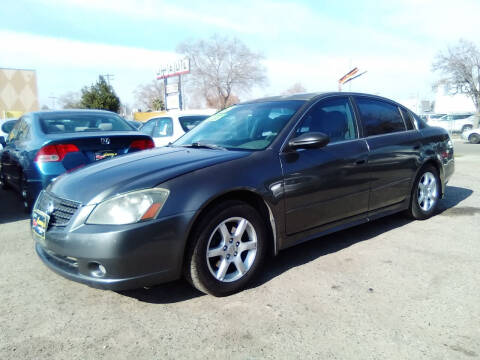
{"x": 425, "y": 194}
{"x": 227, "y": 249}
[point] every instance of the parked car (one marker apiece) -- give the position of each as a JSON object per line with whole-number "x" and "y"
{"x": 473, "y": 136}
{"x": 168, "y": 128}
{"x": 454, "y": 122}
{"x": 428, "y": 117}
{"x": 257, "y": 177}
{"x": 44, "y": 145}
{"x": 6, "y": 127}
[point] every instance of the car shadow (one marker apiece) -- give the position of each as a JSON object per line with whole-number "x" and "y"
{"x": 11, "y": 207}
{"x": 301, "y": 254}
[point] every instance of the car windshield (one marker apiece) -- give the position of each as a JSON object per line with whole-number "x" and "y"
{"x": 248, "y": 126}
{"x": 52, "y": 123}
{"x": 190, "y": 121}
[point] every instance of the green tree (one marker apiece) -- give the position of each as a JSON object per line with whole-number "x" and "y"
{"x": 100, "y": 96}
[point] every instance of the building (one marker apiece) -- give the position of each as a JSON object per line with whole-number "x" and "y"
{"x": 18, "y": 92}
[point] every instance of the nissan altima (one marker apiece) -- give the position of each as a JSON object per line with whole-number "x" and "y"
{"x": 251, "y": 180}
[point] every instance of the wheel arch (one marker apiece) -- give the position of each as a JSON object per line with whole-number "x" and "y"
{"x": 438, "y": 166}
{"x": 245, "y": 195}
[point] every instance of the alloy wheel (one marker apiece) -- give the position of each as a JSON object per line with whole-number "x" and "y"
{"x": 427, "y": 193}
{"x": 231, "y": 249}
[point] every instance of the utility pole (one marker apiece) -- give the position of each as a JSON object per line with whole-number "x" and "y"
{"x": 108, "y": 76}
{"x": 54, "y": 98}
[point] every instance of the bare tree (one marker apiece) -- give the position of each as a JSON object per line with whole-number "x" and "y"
{"x": 296, "y": 88}
{"x": 71, "y": 100}
{"x": 460, "y": 66}
{"x": 150, "y": 95}
{"x": 221, "y": 67}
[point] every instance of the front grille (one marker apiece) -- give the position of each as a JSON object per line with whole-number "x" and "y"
{"x": 60, "y": 210}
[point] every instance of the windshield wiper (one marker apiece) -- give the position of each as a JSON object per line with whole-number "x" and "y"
{"x": 199, "y": 145}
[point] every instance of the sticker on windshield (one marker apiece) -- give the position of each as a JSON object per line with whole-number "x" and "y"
{"x": 219, "y": 115}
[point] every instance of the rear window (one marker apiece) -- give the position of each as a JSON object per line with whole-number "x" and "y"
{"x": 75, "y": 123}
{"x": 189, "y": 122}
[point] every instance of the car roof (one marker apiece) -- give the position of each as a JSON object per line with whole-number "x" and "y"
{"x": 71, "y": 111}
{"x": 313, "y": 95}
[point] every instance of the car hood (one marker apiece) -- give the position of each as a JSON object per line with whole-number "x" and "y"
{"x": 140, "y": 170}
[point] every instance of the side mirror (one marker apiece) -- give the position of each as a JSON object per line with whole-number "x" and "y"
{"x": 310, "y": 140}
{"x": 2, "y": 141}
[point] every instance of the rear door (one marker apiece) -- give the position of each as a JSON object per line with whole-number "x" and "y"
{"x": 394, "y": 150}
{"x": 331, "y": 183}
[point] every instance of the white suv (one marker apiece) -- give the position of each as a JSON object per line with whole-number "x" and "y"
{"x": 454, "y": 122}
{"x": 169, "y": 127}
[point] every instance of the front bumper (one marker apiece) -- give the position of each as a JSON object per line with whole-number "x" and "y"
{"x": 133, "y": 256}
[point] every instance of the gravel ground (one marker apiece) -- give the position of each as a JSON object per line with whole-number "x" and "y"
{"x": 391, "y": 289}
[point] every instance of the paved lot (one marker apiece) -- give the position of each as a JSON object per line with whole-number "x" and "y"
{"x": 391, "y": 289}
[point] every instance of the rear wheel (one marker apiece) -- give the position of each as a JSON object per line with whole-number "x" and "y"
{"x": 474, "y": 138}
{"x": 425, "y": 194}
{"x": 227, "y": 249}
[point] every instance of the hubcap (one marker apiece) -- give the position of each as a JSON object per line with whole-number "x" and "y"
{"x": 231, "y": 249}
{"x": 427, "y": 193}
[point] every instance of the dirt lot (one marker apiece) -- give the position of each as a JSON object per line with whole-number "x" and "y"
{"x": 391, "y": 289}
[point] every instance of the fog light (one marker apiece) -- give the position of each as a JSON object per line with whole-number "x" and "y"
{"x": 96, "y": 269}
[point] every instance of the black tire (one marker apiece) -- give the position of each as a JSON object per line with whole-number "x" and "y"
{"x": 198, "y": 267}
{"x": 474, "y": 139}
{"x": 416, "y": 211}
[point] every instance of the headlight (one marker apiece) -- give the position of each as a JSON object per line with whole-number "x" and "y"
{"x": 129, "y": 208}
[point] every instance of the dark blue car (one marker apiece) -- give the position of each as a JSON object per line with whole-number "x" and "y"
{"x": 44, "y": 145}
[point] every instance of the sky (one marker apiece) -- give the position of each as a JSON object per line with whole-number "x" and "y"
{"x": 70, "y": 42}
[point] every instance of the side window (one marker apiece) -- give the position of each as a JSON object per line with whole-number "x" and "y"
{"x": 407, "y": 119}
{"x": 148, "y": 128}
{"x": 419, "y": 123}
{"x": 17, "y": 131}
{"x": 163, "y": 127}
{"x": 333, "y": 117}
{"x": 379, "y": 117}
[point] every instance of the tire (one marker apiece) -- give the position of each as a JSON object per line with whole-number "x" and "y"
{"x": 426, "y": 193}
{"x": 474, "y": 139}
{"x": 218, "y": 262}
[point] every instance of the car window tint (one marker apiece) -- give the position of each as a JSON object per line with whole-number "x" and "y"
{"x": 407, "y": 119}
{"x": 419, "y": 123}
{"x": 17, "y": 130}
{"x": 333, "y": 117}
{"x": 148, "y": 127}
{"x": 163, "y": 127}
{"x": 379, "y": 117}
{"x": 190, "y": 121}
{"x": 59, "y": 123}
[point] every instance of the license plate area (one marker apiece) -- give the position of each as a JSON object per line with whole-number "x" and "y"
{"x": 40, "y": 222}
{"x": 105, "y": 154}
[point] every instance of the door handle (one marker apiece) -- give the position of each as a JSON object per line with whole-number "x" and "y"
{"x": 360, "y": 162}
{"x": 416, "y": 147}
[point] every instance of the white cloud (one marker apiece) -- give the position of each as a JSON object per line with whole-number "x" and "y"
{"x": 66, "y": 65}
